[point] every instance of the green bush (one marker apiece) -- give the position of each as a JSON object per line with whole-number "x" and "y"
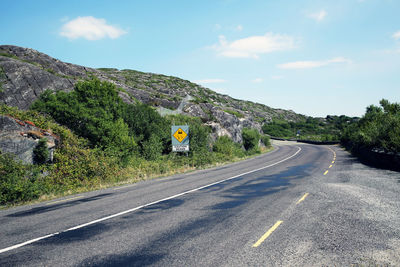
{"x": 226, "y": 147}
{"x": 266, "y": 140}
{"x": 94, "y": 111}
{"x": 18, "y": 182}
{"x": 145, "y": 123}
{"x": 251, "y": 138}
{"x": 152, "y": 148}
{"x": 41, "y": 152}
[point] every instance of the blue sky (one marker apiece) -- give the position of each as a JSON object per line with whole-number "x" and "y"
{"x": 313, "y": 57}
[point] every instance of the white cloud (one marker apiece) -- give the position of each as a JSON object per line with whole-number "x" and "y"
{"x": 258, "y": 80}
{"x": 312, "y": 64}
{"x": 239, "y": 28}
{"x": 90, "y": 28}
{"x": 318, "y": 16}
{"x": 253, "y": 46}
{"x": 207, "y": 81}
{"x": 396, "y": 35}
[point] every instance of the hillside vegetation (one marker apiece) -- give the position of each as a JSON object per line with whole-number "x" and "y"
{"x": 106, "y": 141}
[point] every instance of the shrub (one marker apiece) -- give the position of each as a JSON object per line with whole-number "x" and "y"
{"x": 18, "y": 182}
{"x": 266, "y": 140}
{"x": 251, "y": 138}
{"x": 41, "y": 152}
{"x": 145, "y": 123}
{"x": 152, "y": 148}
{"x": 226, "y": 147}
{"x": 94, "y": 111}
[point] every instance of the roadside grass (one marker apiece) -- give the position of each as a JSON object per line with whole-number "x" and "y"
{"x": 137, "y": 171}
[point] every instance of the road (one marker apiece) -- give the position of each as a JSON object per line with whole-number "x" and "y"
{"x": 300, "y": 205}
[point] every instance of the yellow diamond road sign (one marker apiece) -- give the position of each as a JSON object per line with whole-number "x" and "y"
{"x": 180, "y": 135}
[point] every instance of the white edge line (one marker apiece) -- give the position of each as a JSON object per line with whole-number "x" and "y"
{"x": 142, "y": 206}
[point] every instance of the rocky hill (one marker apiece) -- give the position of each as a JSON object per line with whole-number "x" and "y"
{"x": 25, "y": 73}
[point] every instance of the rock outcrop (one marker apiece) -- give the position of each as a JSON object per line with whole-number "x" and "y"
{"x": 21, "y": 137}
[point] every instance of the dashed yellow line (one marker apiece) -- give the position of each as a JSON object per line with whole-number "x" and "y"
{"x": 333, "y": 161}
{"x": 276, "y": 225}
{"x": 301, "y": 199}
{"x": 64, "y": 200}
{"x": 267, "y": 234}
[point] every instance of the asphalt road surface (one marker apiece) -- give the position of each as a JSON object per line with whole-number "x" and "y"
{"x": 300, "y": 205}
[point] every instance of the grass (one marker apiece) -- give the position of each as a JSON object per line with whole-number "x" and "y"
{"x": 168, "y": 165}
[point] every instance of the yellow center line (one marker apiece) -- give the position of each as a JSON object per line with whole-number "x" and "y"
{"x": 63, "y": 200}
{"x": 330, "y": 166}
{"x": 301, "y": 199}
{"x": 325, "y": 172}
{"x": 333, "y": 162}
{"x": 267, "y": 234}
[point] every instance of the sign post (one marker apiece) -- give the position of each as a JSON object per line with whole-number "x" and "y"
{"x": 180, "y": 138}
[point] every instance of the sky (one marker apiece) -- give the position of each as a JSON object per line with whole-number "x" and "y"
{"x": 316, "y": 58}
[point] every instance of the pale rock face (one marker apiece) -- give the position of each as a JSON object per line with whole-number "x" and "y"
{"x": 21, "y": 138}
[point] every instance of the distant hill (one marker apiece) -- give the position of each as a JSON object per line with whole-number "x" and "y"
{"x": 25, "y": 73}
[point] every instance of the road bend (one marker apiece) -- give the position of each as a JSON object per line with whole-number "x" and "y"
{"x": 300, "y": 205}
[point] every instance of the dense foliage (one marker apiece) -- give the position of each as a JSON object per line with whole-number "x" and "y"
{"x": 378, "y": 129}
{"x": 251, "y": 138}
{"x": 225, "y": 146}
{"x": 40, "y": 152}
{"x": 18, "y": 182}
{"x": 327, "y": 129}
{"x": 94, "y": 111}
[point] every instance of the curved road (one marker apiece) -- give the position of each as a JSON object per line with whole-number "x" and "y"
{"x": 300, "y": 205}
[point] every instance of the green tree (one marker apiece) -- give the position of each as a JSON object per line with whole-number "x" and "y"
{"x": 378, "y": 129}
{"x": 145, "y": 123}
{"x": 94, "y": 111}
